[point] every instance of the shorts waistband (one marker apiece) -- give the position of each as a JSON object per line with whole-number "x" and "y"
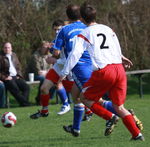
{"x": 106, "y": 66}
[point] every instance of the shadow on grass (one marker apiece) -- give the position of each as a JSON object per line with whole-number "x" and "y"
{"x": 49, "y": 141}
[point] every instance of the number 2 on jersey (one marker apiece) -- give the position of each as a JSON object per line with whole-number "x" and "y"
{"x": 103, "y": 46}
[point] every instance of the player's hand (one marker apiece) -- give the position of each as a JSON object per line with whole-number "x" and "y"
{"x": 51, "y": 44}
{"x": 51, "y": 60}
{"x": 42, "y": 72}
{"x": 126, "y": 62}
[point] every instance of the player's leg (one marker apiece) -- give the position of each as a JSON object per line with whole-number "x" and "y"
{"x": 118, "y": 96}
{"x": 74, "y": 129}
{"x": 87, "y": 114}
{"x": 81, "y": 74}
{"x": 138, "y": 122}
{"x": 99, "y": 83}
{"x": 51, "y": 78}
{"x": 129, "y": 122}
{"x": 44, "y": 100}
{"x": 109, "y": 106}
{"x": 64, "y": 99}
{"x": 99, "y": 110}
{"x": 106, "y": 103}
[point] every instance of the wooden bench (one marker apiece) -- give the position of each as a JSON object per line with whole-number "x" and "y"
{"x": 37, "y": 82}
{"x": 29, "y": 83}
{"x": 32, "y": 83}
{"x": 139, "y": 74}
{"x": 7, "y": 97}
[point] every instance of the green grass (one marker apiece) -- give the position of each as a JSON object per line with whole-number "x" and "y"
{"x": 48, "y": 132}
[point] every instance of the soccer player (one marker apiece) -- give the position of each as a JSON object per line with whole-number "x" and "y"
{"x": 108, "y": 75}
{"x": 63, "y": 94}
{"x": 51, "y": 79}
{"x": 64, "y": 41}
{"x": 82, "y": 71}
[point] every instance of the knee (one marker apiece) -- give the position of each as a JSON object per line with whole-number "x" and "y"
{"x": 82, "y": 98}
{"x": 119, "y": 108}
{"x": 44, "y": 89}
{"x": 77, "y": 100}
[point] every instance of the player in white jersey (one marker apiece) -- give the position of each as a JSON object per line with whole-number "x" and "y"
{"x": 108, "y": 75}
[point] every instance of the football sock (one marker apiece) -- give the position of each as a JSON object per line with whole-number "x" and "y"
{"x": 101, "y": 111}
{"x": 78, "y": 112}
{"x": 44, "y": 109}
{"x": 63, "y": 96}
{"x": 129, "y": 122}
{"x": 44, "y": 99}
{"x": 87, "y": 111}
{"x": 108, "y": 105}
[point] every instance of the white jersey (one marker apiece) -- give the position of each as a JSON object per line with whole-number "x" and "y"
{"x": 59, "y": 65}
{"x": 102, "y": 45}
{"x": 61, "y": 61}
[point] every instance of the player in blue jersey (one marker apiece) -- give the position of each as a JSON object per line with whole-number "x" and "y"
{"x": 64, "y": 40}
{"x": 64, "y": 96}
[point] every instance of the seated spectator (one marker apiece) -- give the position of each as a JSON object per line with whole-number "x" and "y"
{"x": 10, "y": 71}
{"x": 2, "y": 95}
{"x": 39, "y": 66}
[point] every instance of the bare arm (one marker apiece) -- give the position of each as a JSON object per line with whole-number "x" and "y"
{"x": 126, "y": 62}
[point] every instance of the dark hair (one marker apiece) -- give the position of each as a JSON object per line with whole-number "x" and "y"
{"x": 57, "y": 23}
{"x": 88, "y": 13}
{"x": 73, "y": 12}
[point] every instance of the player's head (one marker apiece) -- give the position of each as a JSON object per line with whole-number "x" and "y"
{"x": 88, "y": 13}
{"x": 73, "y": 12}
{"x": 57, "y": 25}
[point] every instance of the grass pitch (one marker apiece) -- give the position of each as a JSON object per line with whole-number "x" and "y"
{"x": 48, "y": 132}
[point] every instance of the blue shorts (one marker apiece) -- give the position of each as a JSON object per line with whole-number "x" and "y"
{"x": 81, "y": 73}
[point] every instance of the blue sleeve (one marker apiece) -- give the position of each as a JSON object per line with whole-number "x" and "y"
{"x": 59, "y": 41}
{"x": 51, "y": 49}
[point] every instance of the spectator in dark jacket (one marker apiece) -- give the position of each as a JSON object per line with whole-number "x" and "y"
{"x": 10, "y": 74}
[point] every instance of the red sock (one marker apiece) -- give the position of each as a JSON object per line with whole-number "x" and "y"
{"x": 44, "y": 111}
{"x": 129, "y": 122}
{"x": 44, "y": 99}
{"x": 101, "y": 111}
{"x": 87, "y": 110}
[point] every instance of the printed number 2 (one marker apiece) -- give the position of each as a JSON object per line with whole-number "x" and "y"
{"x": 103, "y": 46}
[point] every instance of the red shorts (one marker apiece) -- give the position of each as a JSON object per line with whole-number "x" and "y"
{"x": 54, "y": 77}
{"x": 111, "y": 79}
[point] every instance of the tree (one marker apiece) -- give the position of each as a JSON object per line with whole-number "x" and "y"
{"x": 25, "y": 23}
